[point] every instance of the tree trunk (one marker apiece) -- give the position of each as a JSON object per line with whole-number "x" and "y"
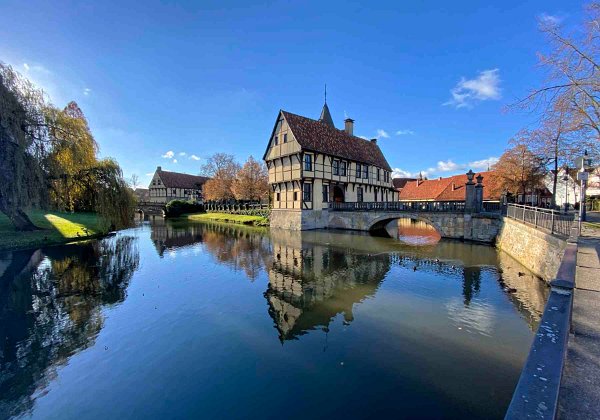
{"x": 554, "y": 181}
{"x": 19, "y": 219}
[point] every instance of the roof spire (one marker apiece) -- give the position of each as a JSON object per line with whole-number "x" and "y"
{"x": 325, "y": 117}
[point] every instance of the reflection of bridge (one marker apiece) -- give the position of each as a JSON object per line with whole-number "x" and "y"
{"x": 147, "y": 208}
{"x": 451, "y": 218}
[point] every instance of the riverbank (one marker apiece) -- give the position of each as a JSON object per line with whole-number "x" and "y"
{"x": 55, "y": 228}
{"x": 227, "y": 218}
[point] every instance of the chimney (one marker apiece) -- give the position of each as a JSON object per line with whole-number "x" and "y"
{"x": 374, "y": 141}
{"x": 349, "y": 126}
{"x": 158, "y": 168}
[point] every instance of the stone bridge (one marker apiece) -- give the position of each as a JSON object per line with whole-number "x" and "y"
{"x": 450, "y": 219}
{"x": 146, "y": 208}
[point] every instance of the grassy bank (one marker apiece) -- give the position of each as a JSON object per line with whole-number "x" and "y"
{"x": 228, "y": 218}
{"x": 56, "y": 228}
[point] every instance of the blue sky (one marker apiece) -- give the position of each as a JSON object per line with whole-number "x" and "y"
{"x": 170, "y": 83}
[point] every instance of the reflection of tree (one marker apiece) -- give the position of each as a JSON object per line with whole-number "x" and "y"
{"x": 240, "y": 247}
{"x": 471, "y": 283}
{"x": 50, "y": 309}
{"x": 311, "y": 282}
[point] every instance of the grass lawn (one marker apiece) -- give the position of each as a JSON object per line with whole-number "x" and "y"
{"x": 228, "y": 218}
{"x": 592, "y": 225}
{"x": 56, "y": 228}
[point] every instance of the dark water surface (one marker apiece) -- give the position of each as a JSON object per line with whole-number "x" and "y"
{"x": 210, "y": 320}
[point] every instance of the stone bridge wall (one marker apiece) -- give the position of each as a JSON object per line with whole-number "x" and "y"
{"x": 540, "y": 252}
{"x": 480, "y": 228}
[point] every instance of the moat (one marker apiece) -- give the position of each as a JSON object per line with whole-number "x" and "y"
{"x": 180, "y": 320}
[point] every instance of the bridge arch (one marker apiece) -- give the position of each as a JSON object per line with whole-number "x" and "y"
{"x": 378, "y": 224}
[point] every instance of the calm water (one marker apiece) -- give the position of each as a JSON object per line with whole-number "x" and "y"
{"x": 205, "y": 320}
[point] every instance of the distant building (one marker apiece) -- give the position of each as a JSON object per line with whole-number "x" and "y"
{"x": 399, "y": 183}
{"x": 449, "y": 189}
{"x": 453, "y": 189}
{"x": 311, "y": 163}
{"x": 142, "y": 194}
{"x": 167, "y": 186}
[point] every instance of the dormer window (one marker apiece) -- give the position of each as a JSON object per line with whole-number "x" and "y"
{"x": 336, "y": 167}
{"x": 365, "y": 172}
{"x": 358, "y": 170}
{"x": 343, "y": 168}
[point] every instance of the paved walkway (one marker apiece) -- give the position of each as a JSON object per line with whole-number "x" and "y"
{"x": 580, "y": 387}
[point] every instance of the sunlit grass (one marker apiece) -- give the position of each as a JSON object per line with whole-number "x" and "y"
{"x": 592, "y": 225}
{"x": 228, "y": 218}
{"x": 56, "y": 227}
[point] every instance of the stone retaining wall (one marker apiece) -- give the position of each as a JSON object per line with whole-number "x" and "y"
{"x": 538, "y": 251}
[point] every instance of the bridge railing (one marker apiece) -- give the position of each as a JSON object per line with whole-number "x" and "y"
{"x": 554, "y": 221}
{"x": 408, "y": 206}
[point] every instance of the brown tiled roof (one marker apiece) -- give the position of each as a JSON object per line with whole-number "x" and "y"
{"x": 318, "y": 137}
{"x": 179, "y": 180}
{"x": 399, "y": 183}
{"x": 451, "y": 188}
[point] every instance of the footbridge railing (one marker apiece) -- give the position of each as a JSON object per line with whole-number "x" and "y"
{"x": 554, "y": 221}
{"x": 401, "y": 206}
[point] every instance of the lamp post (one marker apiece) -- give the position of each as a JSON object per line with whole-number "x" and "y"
{"x": 582, "y": 163}
{"x": 566, "y": 179}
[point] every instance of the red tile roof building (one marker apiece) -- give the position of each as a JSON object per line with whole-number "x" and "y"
{"x": 167, "y": 186}
{"x": 450, "y": 188}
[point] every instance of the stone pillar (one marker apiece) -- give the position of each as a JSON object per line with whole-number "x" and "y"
{"x": 479, "y": 194}
{"x": 470, "y": 193}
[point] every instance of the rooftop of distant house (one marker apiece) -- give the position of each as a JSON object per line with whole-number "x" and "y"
{"x": 180, "y": 180}
{"x": 450, "y": 189}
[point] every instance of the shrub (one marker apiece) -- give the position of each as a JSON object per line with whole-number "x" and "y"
{"x": 176, "y": 208}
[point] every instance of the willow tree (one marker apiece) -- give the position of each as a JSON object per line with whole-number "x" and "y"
{"x": 22, "y": 147}
{"x": 73, "y": 155}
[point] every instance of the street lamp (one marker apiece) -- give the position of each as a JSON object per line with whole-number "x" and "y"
{"x": 566, "y": 179}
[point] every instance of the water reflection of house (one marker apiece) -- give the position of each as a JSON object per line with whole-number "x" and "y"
{"x": 166, "y": 235}
{"x": 310, "y": 282}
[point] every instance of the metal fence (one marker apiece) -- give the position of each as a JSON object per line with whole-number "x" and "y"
{"x": 408, "y": 206}
{"x": 551, "y": 220}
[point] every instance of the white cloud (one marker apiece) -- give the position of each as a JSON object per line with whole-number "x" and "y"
{"x": 36, "y": 68}
{"x": 401, "y": 173}
{"x": 483, "y": 164}
{"x": 447, "y": 168}
{"x": 405, "y": 133}
{"x": 150, "y": 174}
{"x": 87, "y": 91}
{"x": 382, "y": 134}
{"x": 174, "y": 160}
{"x": 549, "y": 20}
{"x": 194, "y": 157}
{"x": 182, "y": 153}
{"x": 363, "y": 137}
{"x": 169, "y": 155}
{"x": 486, "y": 86}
